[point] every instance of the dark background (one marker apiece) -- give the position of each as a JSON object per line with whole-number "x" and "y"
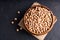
{"x": 8, "y": 11}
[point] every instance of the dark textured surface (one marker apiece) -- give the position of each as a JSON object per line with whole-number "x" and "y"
{"x": 8, "y": 10}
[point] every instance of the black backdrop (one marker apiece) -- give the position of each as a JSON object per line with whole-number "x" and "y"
{"x": 8, "y": 10}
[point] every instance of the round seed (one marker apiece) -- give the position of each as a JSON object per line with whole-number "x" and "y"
{"x": 15, "y": 18}
{"x": 46, "y": 28}
{"x": 31, "y": 29}
{"x": 18, "y": 12}
{"x": 17, "y": 30}
{"x": 21, "y": 28}
{"x": 12, "y": 22}
{"x": 41, "y": 30}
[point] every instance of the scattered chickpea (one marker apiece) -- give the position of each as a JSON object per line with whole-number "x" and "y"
{"x": 17, "y": 30}
{"x": 21, "y": 28}
{"x": 12, "y": 22}
{"x": 18, "y": 12}
{"x": 15, "y": 18}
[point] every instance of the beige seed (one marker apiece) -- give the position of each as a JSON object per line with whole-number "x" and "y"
{"x": 15, "y": 18}
{"x": 37, "y": 32}
{"x": 40, "y": 25}
{"x": 38, "y": 28}
{"x": 30, "y": 29}
{"x": 18, "y": 12}
{"x": 26, "y": 17}
{"x": 36, "y": 8}
{"x": 46, "y": 29}
{"x": 41, "y": 30}
{"x": 39, "y": 8}
{"x": 12, "y": 22}
{"x": 39, "y": 12}
{"x": 17, "y": 30}
{"x": 34, "y": 31}
{"x": 42, "y": 21}
{"x": 21, "y": 28}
